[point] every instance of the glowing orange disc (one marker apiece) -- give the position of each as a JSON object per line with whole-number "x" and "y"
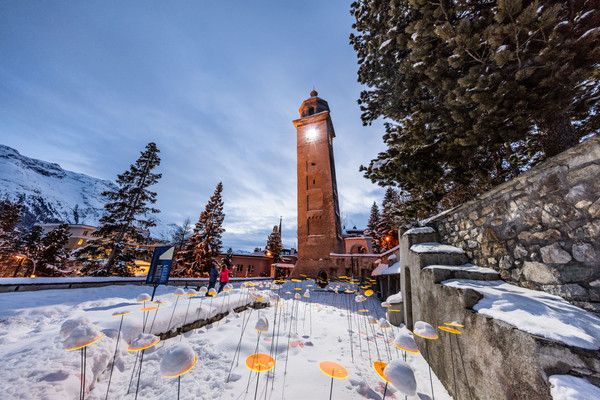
{"x": 260, "y": 362}
{"x": 333, "y": 369}
{"x": 363, "y": 310}
{"x": 298, "y": 288}
{"x": 379, "y": 367}
{"x": 454, "y": 324}
{"x": 148, "y": 308}
{"x": 296, "y": 280}
{"x": 87, "y": 344}
{"x": 369, "y": 292}
{"x": 122, "y": 313}
{"x": 451, "y": 330}
{"x": 143, "y": 347}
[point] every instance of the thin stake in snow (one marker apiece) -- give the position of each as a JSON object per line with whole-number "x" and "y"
{"x": 116, "y": 314}
{"x": 427, "y": 332}
{"x": 142, "y": 342}
{"x": 80, "y": 338}
{"x": 456, "y": 332}
{"x": 334, "y": 370}
{"x": 178, "y": 292}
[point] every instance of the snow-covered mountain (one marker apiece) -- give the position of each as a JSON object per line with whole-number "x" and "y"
{"x": 50, "y": 194}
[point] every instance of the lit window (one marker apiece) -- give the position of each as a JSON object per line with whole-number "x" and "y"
{"x": 80, "y": 241}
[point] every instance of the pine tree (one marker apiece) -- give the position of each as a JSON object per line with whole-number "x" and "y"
{"x": 124, "y": 223}
{"x": 54, "y": 252}
{"x": 475, "y": 91}
{"x": 31, "y": 246}
{"x": 274, "y": 245}
{"x": 228, "y": 259}
{"x": 205, "y": 242}
{"x": 372, "y": 226}
{"x": 10, "y": 216}
{"x": 388, "y": 224}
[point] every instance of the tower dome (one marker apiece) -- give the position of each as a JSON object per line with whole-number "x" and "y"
{"x": 313, "y": 93}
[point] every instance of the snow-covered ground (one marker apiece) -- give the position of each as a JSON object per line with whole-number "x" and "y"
{"x": 327, "y": 327}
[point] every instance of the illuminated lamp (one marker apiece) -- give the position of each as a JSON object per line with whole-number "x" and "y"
{"x": 424, "y": 330}
{"x": 455, "y": 324}
{"x": 260, "y": 362}
{"x": 406, "y": 343}
{"x": 311, "y": 134}
{"x": 143, "y": 341}
{"x": 451, "y": 330}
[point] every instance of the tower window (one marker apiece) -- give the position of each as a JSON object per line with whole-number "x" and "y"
{"x": 311, "y": 110}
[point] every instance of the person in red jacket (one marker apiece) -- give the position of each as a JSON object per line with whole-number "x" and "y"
{"x": 224, "y": 277}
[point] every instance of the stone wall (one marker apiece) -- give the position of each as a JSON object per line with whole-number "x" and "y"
{"x": 540, "y": 230}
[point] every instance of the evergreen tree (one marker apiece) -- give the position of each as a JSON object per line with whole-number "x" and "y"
{"x": 31, "y": 246}
{"x": 228, "y": 259}
{"x": 388, "y": 220}
{"x": 372, "y": 226}
{"x": 124, "y": 223}
{"x": 274, "y": 245}
{"x": 54, "y": 252}
{"x": 10, "y": 216}
{"x": 205, "y": 242}
{"x": 475, "y": 91}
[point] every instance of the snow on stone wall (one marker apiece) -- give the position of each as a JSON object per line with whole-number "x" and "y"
{"x": 540, "y": 230}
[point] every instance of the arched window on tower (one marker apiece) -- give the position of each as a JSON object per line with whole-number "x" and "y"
{"x": 311, "y": 110}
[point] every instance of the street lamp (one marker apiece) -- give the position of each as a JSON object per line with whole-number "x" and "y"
{"x": 20, "y": 258}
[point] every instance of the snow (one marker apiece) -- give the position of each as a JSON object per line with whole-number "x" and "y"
{"x": 406, "y": 342}
{"x": 262, "y": 325}
{"x": 535, "y": 312}
{"x": 417, "y": 231}
{"x": 36, "y": 366}
{"x": 143, "y": 297}
{"x": 465, "y": 267}
{"x": 395, "y": 298}
{"x": 392, "y": 270}
{"x": 502, "y": 48}
{"x": 425, "y": 330}
{"x": 82, "y": 336}
{"x": 67, "y": 327}
{"x": 401, "y": 376}
{"x": 567, "y": 387}
{"x": 379, "y": 270}
{"x": 432, "y": 247}
{"x": 178, "y": 358}
{"x": 385, "y": 44}
{"x": 144, "y": 340}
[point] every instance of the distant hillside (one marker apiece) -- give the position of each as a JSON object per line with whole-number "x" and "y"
{"x": 51, "y": 194}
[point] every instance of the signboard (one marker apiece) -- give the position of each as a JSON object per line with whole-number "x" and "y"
{"x": 161, "y": 266}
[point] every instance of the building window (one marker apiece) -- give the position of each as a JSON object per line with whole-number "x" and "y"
{"x": 311, "y": 110}
{"x": 240, "y": 267}
{"x": 308, "y": 226}
{"x": 80, "y": 241}
{"x": 85, "y": 233}
{"x": 250, "y": 269}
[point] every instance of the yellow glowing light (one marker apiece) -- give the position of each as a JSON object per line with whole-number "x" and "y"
{"x": 451, "y": 330}
{"x": 296, "y": 280}
{"x": 187, "y": 370}
{"x": 454, "y": 324}
{"x": 122, "y": 313}
{"x": 260, "y": 362}
{"x": 369, "y": 292}
{"x": 148, "y": 308}
{"x": 87, "y": 344}
{"x": 333, "y": 369}
{"x": 32, "y": 276}
{"x": 407, "y": 349}
{"x": 159, "y": 302}
{"x": 379, "y": 367}
{"x": 363, "y": 310}
{"x": 425, "y": 337}
{"x": 298, "y": 288}
{"x": 145, "y": 347}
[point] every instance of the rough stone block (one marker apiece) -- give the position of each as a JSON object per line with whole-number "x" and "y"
{"x": 585, "y": 252}
{"x": 539, "y": 273}
{"x": 594, "y": 209}
{"x": 554, "y": 254}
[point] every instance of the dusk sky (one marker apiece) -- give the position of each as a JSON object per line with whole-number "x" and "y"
{"x": 87, "y": 84}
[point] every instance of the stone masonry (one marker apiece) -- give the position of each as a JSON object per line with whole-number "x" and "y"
{"x": 540, "y": 230}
